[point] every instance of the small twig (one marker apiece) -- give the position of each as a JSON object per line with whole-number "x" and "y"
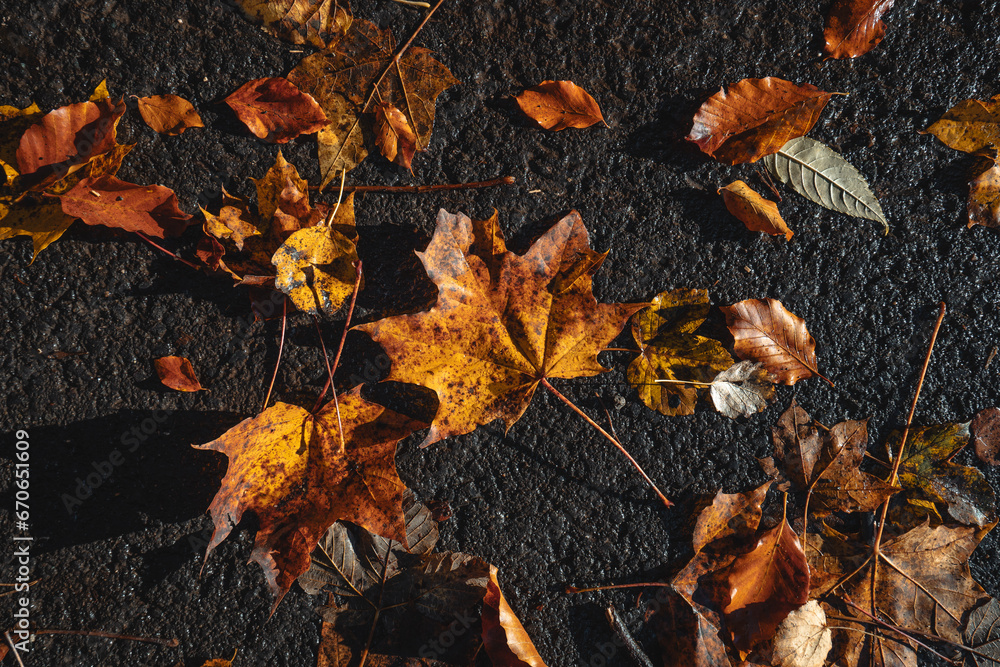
{"x": 643, "y": 584}
{"x": 169, "y": 643}
{"x": 621, "y": 349}
{"x": 17, "y": 656}
{"x": 906, "y": 633}
{"x": 764, "y": 176}
{"x": 611, "y": 438}
{"x": 174, "y": 255}
{"x": 691, "y": 382}
{"x": 414, "y": 189}
{"x": 378, "y": 607}
{"x": 340, "y": 198}
{"x": 631, "y": 646}
{"x": 340, "y": 348}
{"x": 611, "y": 423}
{"x": 281, "y": 348}
{"x": 413, "y": 3}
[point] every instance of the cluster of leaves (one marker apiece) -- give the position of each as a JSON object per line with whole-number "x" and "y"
{"x": 859, "y": 561}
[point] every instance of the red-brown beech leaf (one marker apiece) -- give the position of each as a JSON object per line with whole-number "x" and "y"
{"x": 986, "y": 435}
{"x": 504, "y": 638}
{"x": 757, "y": 213}
{"x": 276, "y": 110}
{"x": 556, "y": 105}
{"x": 765, "y": 585}
{"x": 177, "y": 373}
{"x": 299, "y": 476}
{"x": 394, "y": 137}
{"x": 65, "y": 139}
{"x": 854, "y": 27}
{"x": 108, "y": 201}
{"x": 755, "y": 118}
{"x": 767, "y": 332}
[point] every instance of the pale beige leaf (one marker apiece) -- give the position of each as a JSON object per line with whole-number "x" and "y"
{"x": 803, "y": 639}
{"x": 742, "y": 390}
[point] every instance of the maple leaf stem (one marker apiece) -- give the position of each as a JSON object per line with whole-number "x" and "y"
{"x": 281, "y": 348}
{"x": 416, "y": 189}
{"x": 611, "y": 438}
{"x": 413, "y": 3}
{"x": 174, "y": 255}
{"x": 691, "y": 382}
{"x": 645, "y": 584}
{"x": 340, "y": 348}
{"x": 172, "y": 643}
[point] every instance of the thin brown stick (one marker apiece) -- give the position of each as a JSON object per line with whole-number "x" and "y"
{"x": 17, "y": 656}
{"x": 281, "y": 348}
{"x": 378, "y": 607}
{"x": 611, "y": 438}
{"x": 172, "y": 254}
{"x": 621, "y": 349}
{"x": 611, "y": 423}
{"x": 169, "y": 643}
{"x": 392, "y": 63}
{"x": 907, "y": 633}
{"x": 343, "y": 338}
{"x": 643, "y": 584}
{"x": 634, "y": 650}
{"x": 416, "y": 189}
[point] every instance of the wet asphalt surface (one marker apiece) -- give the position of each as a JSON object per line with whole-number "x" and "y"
{"x": 549, "y": 503}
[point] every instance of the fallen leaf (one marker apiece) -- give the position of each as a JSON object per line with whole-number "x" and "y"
{"x": 394, "y": 136}
{"x": 41, "y": 218}
{"x": 687, "y": 638}
{"x": 757, "y": 213}
{"x": 65, "y": 139}
{"x": 670, "y": 350}
{"x": 556, "y": 105}
{"x": 299, "y": 475}
{"x": 101, "y": 92}
{"x": 342, "y": 77}
{"x": 970, "y": 126}
{"x": 13, "y": 123}
{"x": 316, "y": 22}
{"x": 985, "y": 431}
{"x": 927, "y": 468}
{"x": 767, "y": 332}
{"x": 765, "y": 585}
{"x": 283, "y": 199}
{"x": 504, "y": 638}
{"x": 108, "y": 201}
{"x": 984, "y": 197}
{"x": 854, "y": 27}
{"x": 755, "y": 118}
{"x": 169, "y": 114}
{"x": 497, "y": 330}
{"x": 177, "y": 373}
{"x": 732, "y": 517}
{"x": 803, "y": 638}
{"x": 275, "y": 110}
{"x": 821, "y": 175}
{"x": 316, "y": 265}
{"x": 742, "y": 390}
{"x": 982, "y": 633}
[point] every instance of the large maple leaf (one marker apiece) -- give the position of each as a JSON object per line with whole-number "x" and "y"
{"x": 295, "y": 472}
{"x": 502, "y": 323}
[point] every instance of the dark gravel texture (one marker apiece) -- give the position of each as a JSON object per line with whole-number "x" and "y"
{"x": 549, "y": 503}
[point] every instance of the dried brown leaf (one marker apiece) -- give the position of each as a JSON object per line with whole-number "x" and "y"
{"x": 394, "y": 136}
{"x": 970, "y": 126}
{"x": 556, "y": 105}
{"x": 730, "y": 517}
{"x": 984, "y": 197}
{"x": 757, "y": 213}
{"x": 854, "y": 27}
{"x": 108, "y": 201}
{"x": 169, "y": 114}
{"x": 986, "y": 435}
{"x": 275, "y": 110}
{"x": 177, "y": 373}
{"x": 504, "y": 638}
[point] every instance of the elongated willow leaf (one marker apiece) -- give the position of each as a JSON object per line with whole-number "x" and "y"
{"x": 820, "y": 174}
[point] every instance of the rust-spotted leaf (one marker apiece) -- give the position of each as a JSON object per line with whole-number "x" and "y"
{"x": 275, "y": 110}
{"x": 497, "y": 329}
{"x": 766, "y": 331}
{"x": 108, "y": 201}
{"x": 757, "y": 213}
{"x": 854, "y": 27}
{"x": 755, "y": 117}
{"x": 169, "y": 114}
{"x": 556, "y": 105}
{"x": 300, "y": 473}
{"x": 177, "y": 373}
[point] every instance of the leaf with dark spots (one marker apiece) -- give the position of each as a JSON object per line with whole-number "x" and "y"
{"x": 497, "y": 330}
{"x": 318, "y": 23}
{"x": 985, "y": 431}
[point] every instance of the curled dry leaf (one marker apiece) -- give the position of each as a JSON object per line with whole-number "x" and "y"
{"x": 854, "y": 27}
{"x": 742, "y": 390}
{"x": 504, "y": 638}
{"x": 299, "y": 473}
{"x": 765, "y": 585}
{"x": 177, "y": 373}
{"x": 969, "y": 126}
{"x": 821, "y": 175}
{"x": 757, "y": 213}
{"x": 556, "y": 105}
{"x": 169, "y": 114}
{"x": 765, "y": 331}
{"x": 670, "y": 350}
{"x": 342, "y": 77}
{"x": 984, "y": 197}
{"x": 731, "y": 517}
{"x": 755, "y": 117}
{"x": 394, "y": 136}
{"x": 803, "y": 638}
{"x": 275, "y": 110}
{"x": 985, "y": 430}
{"x": 316, "y": 265}
{"x": 928, "y": 470}
{"x": 319, "y": 23}
{"x": 497, "y": 328}
{"x": 108, "y": 201}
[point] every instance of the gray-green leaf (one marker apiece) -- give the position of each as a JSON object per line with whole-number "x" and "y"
{"x": 983, "y": 634}
{"x": 820, "y": 174}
